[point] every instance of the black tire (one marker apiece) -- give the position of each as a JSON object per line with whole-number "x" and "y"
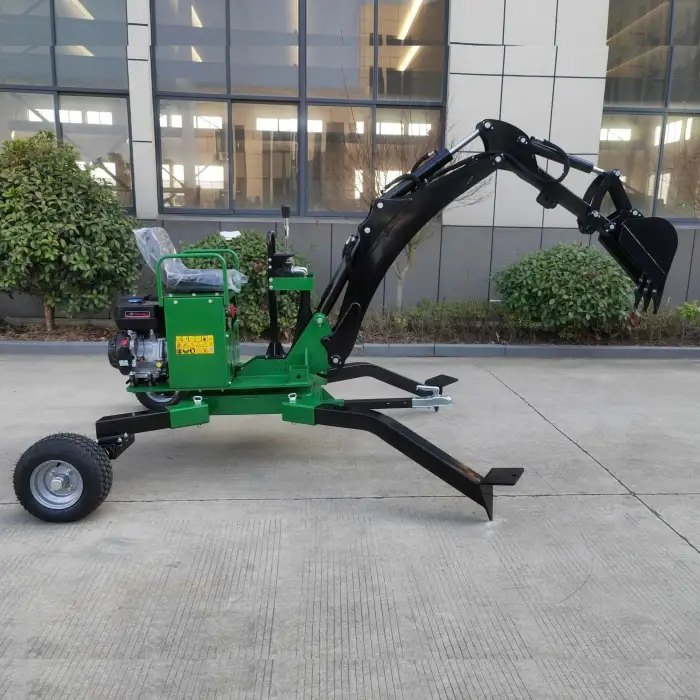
{"x": 80, "y": 453}
{"x": 157, "y": 401}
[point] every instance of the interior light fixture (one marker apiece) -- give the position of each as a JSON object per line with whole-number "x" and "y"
{"x": 408, "y": 58}
{"x": 79, "y": 51}
{"x": 81, "y": 9}
{"x": 196, "y": 22}
{"x": 410, "y": 19}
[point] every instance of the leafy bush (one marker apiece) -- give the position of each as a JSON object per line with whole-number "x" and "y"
{"x": 566, "y": 289}
{"x": 253, "y": 314}
{"x": 64, "y": 236}
{"x": 690, "y": 312}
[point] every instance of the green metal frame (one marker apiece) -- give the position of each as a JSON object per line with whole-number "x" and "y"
{"x": 290, "y": 387}
{"x": 217, "y": 253}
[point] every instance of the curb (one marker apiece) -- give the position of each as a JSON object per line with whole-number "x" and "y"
{"x": 626, "y": 352}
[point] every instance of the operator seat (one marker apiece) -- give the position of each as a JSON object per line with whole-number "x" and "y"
{"x": 154, "y": 242}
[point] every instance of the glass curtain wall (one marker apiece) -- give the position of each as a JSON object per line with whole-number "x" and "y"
{"x": 63, "y": 68}
{"x": 312, "y": 103}
{"x": 651, "y": 124}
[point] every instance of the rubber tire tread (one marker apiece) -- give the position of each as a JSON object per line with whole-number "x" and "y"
{"x": 145, "y": 401}
{"x": 84, "y": 454}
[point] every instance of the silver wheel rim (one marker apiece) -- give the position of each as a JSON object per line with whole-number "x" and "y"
{"x": 160, "y": 398}
{"x": 56, "y": 485}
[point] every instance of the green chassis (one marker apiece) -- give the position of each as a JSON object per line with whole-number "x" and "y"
{"x": 65, "y": 477}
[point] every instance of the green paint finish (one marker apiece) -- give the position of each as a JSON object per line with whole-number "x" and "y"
{"x": 204, "y": 316}
{"x": 302, "y": 408}
{"x": 309, "y": 351}
{"x": 198, "y": 352}
{"x": 247, "y": 404}
{"x": 186, "y": 413}
{"x": 292, "y": 284}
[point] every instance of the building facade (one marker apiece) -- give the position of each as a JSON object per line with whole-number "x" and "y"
{"x": 208, "y": 115}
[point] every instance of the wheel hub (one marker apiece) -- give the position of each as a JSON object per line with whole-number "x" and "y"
{"x": 56, "y": 484}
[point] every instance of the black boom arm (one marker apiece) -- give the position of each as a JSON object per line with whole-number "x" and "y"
{"x": 643, "y": 247}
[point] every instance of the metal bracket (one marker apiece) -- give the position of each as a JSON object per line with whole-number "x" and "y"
{"x": 116, "y": 445}
{"x": 433, "y": 399}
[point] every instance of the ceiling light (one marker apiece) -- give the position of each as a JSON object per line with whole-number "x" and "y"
{"x": 410, "y": 19}
{"x": 196, "y": 22}
{"x": 81, "y": 9}
{"x": 408, "y": 58}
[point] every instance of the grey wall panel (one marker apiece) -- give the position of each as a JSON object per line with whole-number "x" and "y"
{"x": 510, "y": 244}
{"x": 24, "y": 306}
{"x": 421, "y": 280}
{"x": 694, "y": 281}
{"x": 314, "y": 243}
{"x": 552, "y": 236}
{"x": 677, "y": 282}
{"x": 20, "y": 306}
{"x": 465, "y": 262}
{"x": 262, "y": 226}
{"x": 341, "y": 233}
{"x": 186, "y": 232}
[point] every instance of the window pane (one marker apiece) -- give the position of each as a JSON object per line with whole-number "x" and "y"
{"x": 25, "y": 37}
{"x": 92, "y": 66}
{"x": 630, "y": 144}
{"x": 411, "y": 49}
{"x": 340, "y": 158}
{"x": 264, "y": 47}
{"x": 639, "y": 54}
{"x": 340, "y": 48}
{"x": 102, "y": 22}
{"x": 685, "y": 79}
{"x": 98, "y": 127}
{"x": 194, "y": 145}
{"x": 403, "y": 136}
{"x": 266, "y": 154}
{"x": 191, "y": 45}
{"x": 101, "y": 62}
{"x": 23, "y": 114}
{"x": 678, "y": 193}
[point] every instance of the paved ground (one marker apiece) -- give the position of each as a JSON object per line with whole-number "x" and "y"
{"x": 250, "y": 559}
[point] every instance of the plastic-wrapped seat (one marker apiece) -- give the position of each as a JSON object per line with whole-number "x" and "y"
{"x": 155, "y": 242}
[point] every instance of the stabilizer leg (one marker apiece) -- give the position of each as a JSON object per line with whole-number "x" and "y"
{"x": 356, "y": 370}
{"x": 474, "y": 486}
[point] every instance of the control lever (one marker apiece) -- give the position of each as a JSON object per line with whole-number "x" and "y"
{"x": 286, "y": 212}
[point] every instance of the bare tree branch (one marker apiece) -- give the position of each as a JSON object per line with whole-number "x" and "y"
{"x": 357, "y": 174}
{"x": 684, "y": 159}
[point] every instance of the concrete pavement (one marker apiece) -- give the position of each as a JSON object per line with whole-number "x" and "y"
{"x": 254, "y": 559}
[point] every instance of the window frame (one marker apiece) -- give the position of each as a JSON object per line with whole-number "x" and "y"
{"x": 664, "y": 111}
{"x": 300, "y": 207}
{"x": 57, "y": 91}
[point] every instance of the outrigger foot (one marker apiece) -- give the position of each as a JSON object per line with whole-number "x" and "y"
{"x": 357, "y": 416}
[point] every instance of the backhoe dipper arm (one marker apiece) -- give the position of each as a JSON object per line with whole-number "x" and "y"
{"x": 643, "y": 247}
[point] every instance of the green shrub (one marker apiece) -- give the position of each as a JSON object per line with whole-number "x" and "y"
{"x": 64, "y": 236}
{"x": 690, "y": 312}
{"x": 251, "y": 248}
{"x": 566, "y": 289}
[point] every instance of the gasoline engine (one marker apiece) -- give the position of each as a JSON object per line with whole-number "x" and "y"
{"x": 139, "y": 349}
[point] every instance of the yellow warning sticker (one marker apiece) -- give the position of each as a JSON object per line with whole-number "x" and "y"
{"x": 194, "y": 344}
